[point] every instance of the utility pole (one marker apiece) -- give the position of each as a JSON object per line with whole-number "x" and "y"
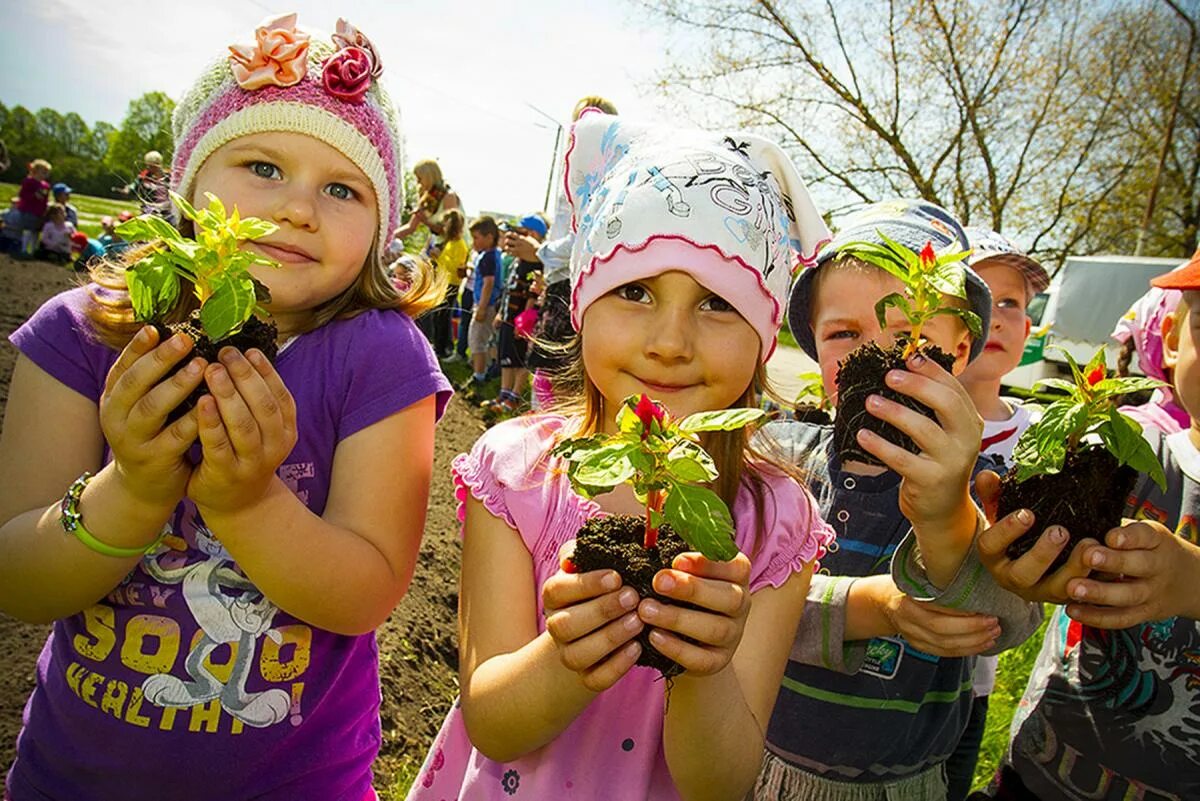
{"x": 553, "y": 156}
{"x": 1170, "y": 133}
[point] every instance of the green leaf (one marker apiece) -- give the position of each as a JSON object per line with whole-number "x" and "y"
{"x": 1123, "y": 438}
{"x": 688, "y": 462}
{"x": 723, "y": 420}
{"x": 627, "y": 420}
{"x": 1123, "y": 386}
{"x": 606, "y": 466}
{"x": 887, "y": 259}
{"x": 1043, "y": 447}
{"x": 1058, "y": 383}
{"x": 900, "y": 302}
{"x": 229, "y": 307}
{"x": 576, "y": 448}
{"x": 254, "y": 228}
{"x": 185, "y": 208}
{"x": 1097, "y": 360}
{"x": 700, "y": 516}
{"x": 153, "y": 285}
{"x": 949, "y": 278}
{"x": 1075, "y": 371}
{"x": 970, "y": 319}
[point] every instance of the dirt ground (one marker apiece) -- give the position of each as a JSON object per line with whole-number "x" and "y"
{"x": 417, "y": 645}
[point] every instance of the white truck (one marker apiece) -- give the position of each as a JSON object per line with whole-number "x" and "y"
{"x": 1079, "y": 310}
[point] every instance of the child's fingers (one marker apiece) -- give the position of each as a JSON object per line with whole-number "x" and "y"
{"x": 1120, "y": 562}
{"x": 244, "y": 434}
{"x": 1109, "y": 593}
{"x": 579, "y": 620}
{"x": 994, "y": 540}
{"x": 703, "y": 627}
{"x": 144, "y": 341}
{"x": 736, "y": 570}
{"x": 987, "y": 489}
{"x": 212, "y": 433}
{"x": 279, "y": 391}
{"x": 900, "y": 460}
{"x": 698, "y": 660}
{"x": 165, "y": 396}
{"x": 1137, "y": 535}
{"x": 146, "y": 370}
{"x": 1109, "y": 617}
{"x": 585, "y": 653}
{"x": 567, "y": 589}
{"x": 178, "y": 437}
{"x": 259, "y": 399}
{"x": 927, "y": 382}
{"x": 715, "y": 595}
{"x": 967, "y": 643}
{"x": 925, "y": 433}
{"x": 610, "y": 671}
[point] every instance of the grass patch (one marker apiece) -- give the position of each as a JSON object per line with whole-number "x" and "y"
{"x": 785, "y": 337}
{"x": 1012, "y": 674}
{"x": 90, "y": 208}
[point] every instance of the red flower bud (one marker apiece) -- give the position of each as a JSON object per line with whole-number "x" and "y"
{"x": 647, "y": 411}
{"x": 1095, "y": 377}
{"x": 928, "y": 257}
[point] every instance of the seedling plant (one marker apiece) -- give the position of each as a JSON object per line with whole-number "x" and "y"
{"x": 929, "y": 280}
{"x": 664, "y": 462}
{"x": 1076, "y": 465}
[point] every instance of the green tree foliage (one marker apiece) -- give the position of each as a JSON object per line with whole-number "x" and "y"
{"x": 84, "y": 156}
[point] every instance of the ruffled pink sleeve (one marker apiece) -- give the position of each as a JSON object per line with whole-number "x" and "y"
{"x": 506, "y": 461}
{"x": 792, "y": 536}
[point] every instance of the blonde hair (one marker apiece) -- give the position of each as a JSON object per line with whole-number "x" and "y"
{"x": 40, "y": 164}
{"x": 429, "y": 170}
{"x": 592, "y": 101}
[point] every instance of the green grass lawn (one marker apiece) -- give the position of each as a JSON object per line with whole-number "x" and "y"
{"x": 91, "y": 209}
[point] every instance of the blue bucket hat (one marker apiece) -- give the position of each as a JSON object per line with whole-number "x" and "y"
{"x": 59, "y": 188}
{"x": 912, "y": 223}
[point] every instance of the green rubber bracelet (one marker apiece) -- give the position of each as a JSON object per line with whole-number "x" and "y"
{"x": 72, "y": 523}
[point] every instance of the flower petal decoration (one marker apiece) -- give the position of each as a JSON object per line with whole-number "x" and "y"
{"x": 346, "y": 35}
{"x": 279, "y": 56}
{"x": 347, "y": 74}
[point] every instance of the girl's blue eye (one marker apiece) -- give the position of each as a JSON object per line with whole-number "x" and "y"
{"x": 264, "y": 169}
{"x": 341, "y": 192}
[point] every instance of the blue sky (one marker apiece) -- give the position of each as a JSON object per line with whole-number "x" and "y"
{"x": 463, "y": 73}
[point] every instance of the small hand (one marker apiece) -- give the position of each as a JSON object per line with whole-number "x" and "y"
{"x": 523, "y": 247}
{"x": 935, "y": 479}
{"x": 721, "y": 590}
{"x": 1150, "y": 574}
{"x": 935, "y": 629}
{"x": 591, "y": 619}
{"x": 149, "y": 454}
{"x": 1027, "y": 575}
{"x": 247, "y": 429}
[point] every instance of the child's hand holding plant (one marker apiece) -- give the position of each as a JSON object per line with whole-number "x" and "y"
{"x": 216, "y": 271}
{"x": 928, "y": 279}
{"x": 664, "y": 462}
{"x": 1075, "y": 466}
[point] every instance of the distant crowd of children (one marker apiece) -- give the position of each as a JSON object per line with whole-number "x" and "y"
{"x": 214, "y": 569}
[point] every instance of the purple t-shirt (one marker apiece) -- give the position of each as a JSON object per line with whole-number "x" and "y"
{"x": 185, "y": 682}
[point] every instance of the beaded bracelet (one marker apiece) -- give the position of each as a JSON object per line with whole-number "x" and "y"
{"x": 72, "y": 523}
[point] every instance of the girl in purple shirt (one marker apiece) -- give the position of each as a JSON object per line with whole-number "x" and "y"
{"x": 214, "y": 610}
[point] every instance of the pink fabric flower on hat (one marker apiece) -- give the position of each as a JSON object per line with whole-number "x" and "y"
{"x": 347, "y": 74}
{"x": 346, "y": 35}
{"x": 279, "y": 56}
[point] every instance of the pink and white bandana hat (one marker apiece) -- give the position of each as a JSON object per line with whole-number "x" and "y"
{"x": 729, "y": 208}
{"x": 295, "y": 81}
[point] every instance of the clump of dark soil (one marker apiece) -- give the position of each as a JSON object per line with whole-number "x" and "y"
{"x": 1086, "y": 498}
{"x": 806, "y": 413}
{"x": 255, "y": 333}
{"x": 860, "y": 375}
{"x": 614, "y": 542}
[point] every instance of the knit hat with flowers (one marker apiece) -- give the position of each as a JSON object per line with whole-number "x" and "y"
{"x": 291, "y": 81}
{"x": 728, "y": 208}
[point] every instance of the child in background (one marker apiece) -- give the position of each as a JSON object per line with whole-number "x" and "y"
{"x": 1140, "y": 331}
{"x": 62, "y": 196}
{"x": 55, "y": 243}
{"x": 33, "y": 197}
{"x": 886, "y": 659}
{"x": 489, "y": 282}
{"x": 1110, "y": 708}
{"x": 518, "y": 297}
{"x": 110, "y": 240}
{"x": 213, "y": 610}
{"x": 1013, "y": 278}
{"x": 450, "y": 256}
{"x": 10, "y": 228}
{"x": 552, "y": 705}
{"x": 84, "y": 250}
